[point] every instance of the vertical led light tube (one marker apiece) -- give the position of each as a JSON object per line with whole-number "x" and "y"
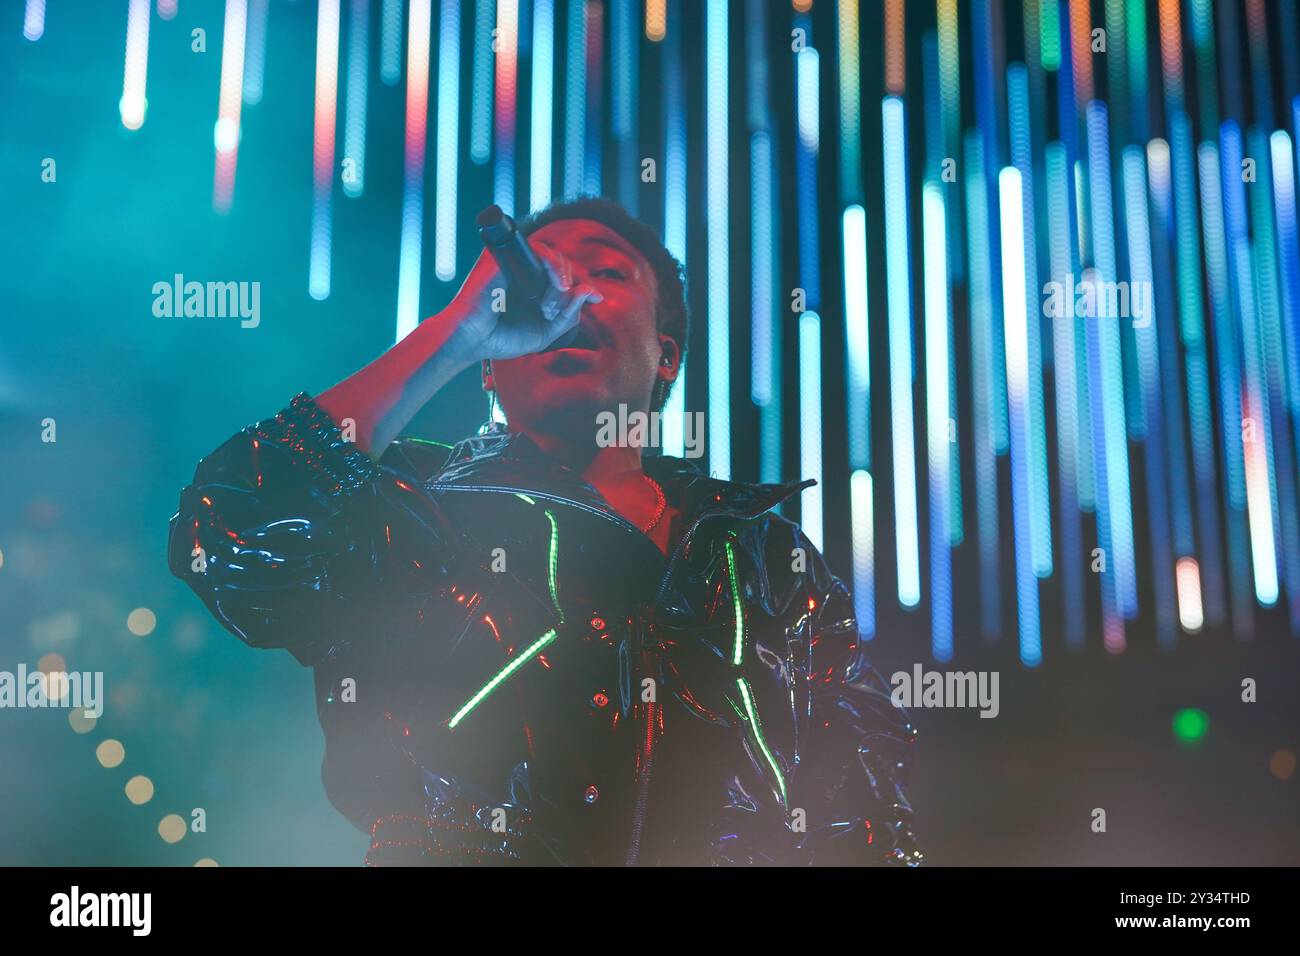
{"x": 1136, "y": 53}
{"x": 1284, "y": 205}
{"x": 1145, "y": 333}
{"x": 766, "y": 308}
{"x": 899, "y": 299}
{"x": 624, "y": 69}
{"x": 1191, "y": 613}
{"x": 225, "y": 134}
{"x": 1178, "y": 470}
{"x": 1015, "y": 331}
{"x": 417, "y": 122}
{"x": 937, "y": 405}
{"x": 1255, "y": 446}
{"x": 447, "y": 142}
{"x": 1200, "y": 415}
{"x": 575, "y": 99}
{"x": 1067, "y": 395}
{"x": 1110, "y": 381}
{"x": 718, "y": 229}
{"x": 950, "y": 107}
{"x": 895, "y": 62}
{"x": 767, "y": 311}
{"x": 1049, "y": 34}
{"x": 850, "y": 100}
{"x": 856, "y": 335}
{"x": 810, "y": 425}
{"x": 390, "y": 42}
{"x": 983, "y": 385}
{"x": 325, "y": 118}
{"x": 506, "y": 44}
{"x": 34, "y": 19}
{"x": 1040, "y": 511}
{"x": 988, "y": 120}
{"x": 255, "y": 52}
{"x": 808, "y": 143}
{"x": 354, "y": 109}
{"x": 674, "y": 176}
{"x": 1271, "y": 311}
{"x": 936, "y": 158}
{"x": 862, "y": 514}
{"x": 857, "y": 341}
{"x": 656, "y": 20}
{"x": 593, "y": 144}
{"x": 480, "y": 118}
{"x": 542, "y": 141}
{"x": 1226, "y": 342}
{"x": 1080, "y": 14}
{"x": 133, "y": 104}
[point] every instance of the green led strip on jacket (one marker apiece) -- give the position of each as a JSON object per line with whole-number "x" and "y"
{"x": 738, "y": 644}
{"x": 528, "y": 654}
{"x": 756, "y": 726}
{"x": 552, "y": 564}
{"x": 536, "y": 647}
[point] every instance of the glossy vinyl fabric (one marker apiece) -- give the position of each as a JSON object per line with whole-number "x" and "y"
{"x": 507, "y": 671}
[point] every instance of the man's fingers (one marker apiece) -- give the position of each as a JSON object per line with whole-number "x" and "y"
{"x": 575, "y": 299}
{"x": 559, "y": 275}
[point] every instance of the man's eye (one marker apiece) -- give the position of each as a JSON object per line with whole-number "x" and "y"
{"x": 611, "y": 272}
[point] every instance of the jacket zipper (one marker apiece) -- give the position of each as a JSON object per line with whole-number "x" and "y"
{"x": 643, "y": 778}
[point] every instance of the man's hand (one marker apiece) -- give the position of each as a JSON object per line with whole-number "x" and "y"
{"x": 485, "y": 325}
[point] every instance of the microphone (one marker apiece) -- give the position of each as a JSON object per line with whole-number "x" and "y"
{"x": 526, "y": 277}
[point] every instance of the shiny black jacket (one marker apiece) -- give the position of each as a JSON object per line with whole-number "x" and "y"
{"x": 508, "y": 671}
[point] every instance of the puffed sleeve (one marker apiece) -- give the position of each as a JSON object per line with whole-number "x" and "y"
{"x": 294, "y": 538}
{"x": 862, "y": 743}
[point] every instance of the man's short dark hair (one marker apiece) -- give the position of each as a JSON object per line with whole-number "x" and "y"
{"x": 671, "y": 315}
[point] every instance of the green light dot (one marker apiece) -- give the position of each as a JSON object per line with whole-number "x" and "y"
{"x": 1190, "y": 724}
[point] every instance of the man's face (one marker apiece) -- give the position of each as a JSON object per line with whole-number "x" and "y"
{"x": 621, "y": 347}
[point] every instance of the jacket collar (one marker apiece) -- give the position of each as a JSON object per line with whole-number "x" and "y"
{"x": 501, "y": 459}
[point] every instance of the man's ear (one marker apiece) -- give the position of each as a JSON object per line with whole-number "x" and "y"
{"x": 489, "y": 381}
{"x": 670, "y": 361}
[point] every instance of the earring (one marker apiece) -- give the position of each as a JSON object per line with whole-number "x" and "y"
{"x": 661, "y": 393}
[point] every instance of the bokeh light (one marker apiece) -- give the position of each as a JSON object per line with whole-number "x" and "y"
{"x": 141, "y": 622}
{"x": 79, "y": 722}
{"x": 110, "y": 753}
{"x": 139, "y": 789}
{"x": 1282, "y": 764}
{"x": 172, "y": 828}
{"x": 1191, "y": 725}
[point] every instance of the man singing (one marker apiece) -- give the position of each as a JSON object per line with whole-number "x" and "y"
{"x": 539, "y": 646}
